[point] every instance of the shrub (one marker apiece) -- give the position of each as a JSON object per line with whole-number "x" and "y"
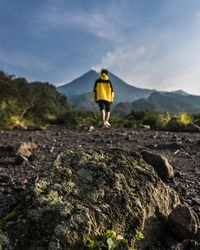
{"x": 184, "y": 118}
{"x": 112, "y": 240}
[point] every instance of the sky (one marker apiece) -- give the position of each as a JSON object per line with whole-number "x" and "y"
{"x": 152, "y": 44}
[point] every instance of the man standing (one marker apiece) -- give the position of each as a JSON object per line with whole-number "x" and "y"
{"x": 104, "y": 95}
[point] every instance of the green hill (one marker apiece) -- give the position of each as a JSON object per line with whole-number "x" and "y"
{"x": 164, "y": 101}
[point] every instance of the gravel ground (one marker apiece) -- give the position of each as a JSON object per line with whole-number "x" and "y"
{"x": 181, "y": 149}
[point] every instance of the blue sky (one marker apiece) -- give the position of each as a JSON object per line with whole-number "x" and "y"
{"x": 148, "y": 43}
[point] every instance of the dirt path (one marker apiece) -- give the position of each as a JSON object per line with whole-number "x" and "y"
{"x": 181, "y": 149}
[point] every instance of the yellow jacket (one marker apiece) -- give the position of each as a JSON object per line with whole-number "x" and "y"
{"x": 103, "y": 89}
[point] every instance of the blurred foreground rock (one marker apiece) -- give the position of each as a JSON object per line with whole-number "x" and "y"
{"x": 175, "y": 126}
{"x": 87, "y": 193}
{"x": 192, "y": 128}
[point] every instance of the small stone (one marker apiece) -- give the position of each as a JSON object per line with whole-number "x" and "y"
{"x": 128, "y": 137}
{"x": 144, "y": 126}
{"x": 177, "y": 173}
{"x": 196, "y": 201}
{"x": 91, "y": 128}
{"x": 51, "y": 150}
{"x": 183, "y": 222}
{"x": 189, "y": 202}
{"x": 4, "y": 178}
{"x": 198, "y": 142}
{"x": 159, "y": 163}
{"x": 26, "y": 148}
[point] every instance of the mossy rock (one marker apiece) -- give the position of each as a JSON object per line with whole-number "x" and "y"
{"x": 87, "y": 192}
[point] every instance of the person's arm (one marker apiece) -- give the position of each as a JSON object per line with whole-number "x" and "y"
{"x": 112, "y": 92}
{"x": 95, "y": 92}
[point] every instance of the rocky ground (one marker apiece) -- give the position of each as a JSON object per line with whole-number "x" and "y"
{"x": 17, "y": 175}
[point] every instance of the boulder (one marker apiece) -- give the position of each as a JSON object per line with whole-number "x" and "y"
{"x": 173, "y": 125}
{"x": 193, "y": 245}
{"x": 159, "y": 163}
{"x": 198, "y": 233}
{"x": 192, "y": 128}
{"x": 183, "y": 222}
{"x": 85, "y": 193}
{"x": 187, "y": 245}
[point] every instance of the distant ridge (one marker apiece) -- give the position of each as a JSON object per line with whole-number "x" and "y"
{"x": 165, "y": 101}
{"x": 180, "y": 92}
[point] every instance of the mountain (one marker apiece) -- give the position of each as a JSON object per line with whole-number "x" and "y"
{"x": 127, "y": 97}
{"x": 169, "y": 101}
{"x": 85, "y": 83}
{"x": 80, "y": 85}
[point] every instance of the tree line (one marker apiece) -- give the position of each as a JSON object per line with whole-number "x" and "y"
{"x": 29, "y": 103}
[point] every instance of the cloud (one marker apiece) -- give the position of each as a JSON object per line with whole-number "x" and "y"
{"x": 160, "y": 57}
{"x": 156, "y": 65}
{"x": 187, "y": 79}
{"x": 96, "y": 21}
{"x": 120, "y": 59}
{"x": 26, "y": 62}
{"x": 197, "y": 17}
{"x": 197, "y": 14}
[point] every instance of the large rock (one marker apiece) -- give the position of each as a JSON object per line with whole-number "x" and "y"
{"x": 187, "y": 245}
{"x": 198, "y": 233}
{"x": 87, "y": 193}
{"x": 173, "y": 125}
{"x": 192, "y": 128}
{"x": 183, "y": 222}
{"x": 159, "y": 163}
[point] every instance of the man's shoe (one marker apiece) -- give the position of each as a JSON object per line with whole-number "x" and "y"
{"x": 100, "y": 124}
{"x": 107, "y": 124}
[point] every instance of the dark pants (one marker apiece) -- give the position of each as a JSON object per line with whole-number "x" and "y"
{"x": 104, "y": 105}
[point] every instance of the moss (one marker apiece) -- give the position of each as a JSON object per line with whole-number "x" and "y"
{"x": 66, "y": 205}
{"x": 13, "y": 215}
